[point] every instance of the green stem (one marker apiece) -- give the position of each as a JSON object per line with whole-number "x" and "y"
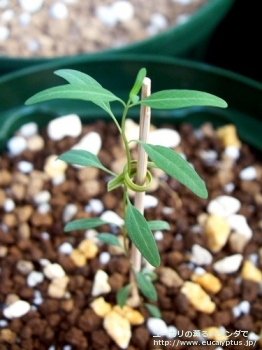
{"x": 123, "y": 135}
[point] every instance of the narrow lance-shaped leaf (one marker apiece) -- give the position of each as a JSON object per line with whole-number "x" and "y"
{"x": 138, "y": 82}
{"x": 84, "y": 224}
{"x": 83, "y": 158}
{"x": 176, "y": 166}
{"x": 141, "y": 235}
{"x": 153, "y": 310}
{"x": 109, "y": 238}
{"x": 146, "y": 286}
{"x": 172, "y": 99}
{"x": 84, "y": 92}
{"x": 76, "y": 77}
{"x": 158, "y": 225}
{"x": 122, "y": 295}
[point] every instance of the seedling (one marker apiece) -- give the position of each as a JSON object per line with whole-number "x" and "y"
{"x": 136, "y": 174}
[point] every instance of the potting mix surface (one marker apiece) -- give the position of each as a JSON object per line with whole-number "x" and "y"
{"x": 58, "y": 290}
{"x": 48, "y": 28}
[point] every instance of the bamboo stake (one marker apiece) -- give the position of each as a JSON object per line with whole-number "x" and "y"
{"x": 144, "y": 129}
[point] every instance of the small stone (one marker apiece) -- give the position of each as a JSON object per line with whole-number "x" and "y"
{"x": 215, "y": 333}
{"x": 150, "y": 201}
{"x": 232, "y": 152}
{"x": 106, "y": 15}
{"x": 24, "y": 266}
{"x": 54, "y": 167}
{"x": 250, "y": 272}
{"x": 209, "y": 156}
{"x": 112, "y": 217}
{"x": 31, "y": 5}
{"x": 25, "y": 167}
{"x": 156, "y": 326}
{"x": 69, "y": 125}
{"x": 238, "y": 223}
{"x": 88, "y": 248}
{"x": 133, "y": 316}
{"x": 208, "y": 281}
{"x": 9, "y": 205}
{"x": 3, "y": 251}
{"x": 29, "y": 129}
{"x": 122, "y": 10}
{"x": 104, "y": 258}
{"x": 237, "y": 242}
{"x": 101, "y": 307}
{"x": 91, "y": 142}
{"x": 158, "y": 235}
{"x": 70, "y": 210}
{"x": 65, "y": 248}
{"x": 52, "y": 271}
{"x": 169, "y": 277}
{"x": 4, "y": 33}
{"x": 229, "y": 264}
{"x": 223, "y": 206}
{"x": 164, "y": 137}
{"x": 56, "y": 288}
{"x": 217, "y": 231}
{"x": 248, "y": 174}
{"x": 34, "y": 278}
{"x": 118, "y": 328}
{"x": 35, "y": 143}
{"x": 200, "y": 256}
{"x": 59, "y": 10}
{"x": 78, "y": 257}
{"x": 16, "y": 145}
{"x": 95, "y": 205}
{"x": 228, "y": 136}
{"x": 17, "y": 309}
{"x": 100, "y": 284}
{"x": 42, "y": 197}
{"x": 199, "y": 299}
{"x": 158, "y": 21}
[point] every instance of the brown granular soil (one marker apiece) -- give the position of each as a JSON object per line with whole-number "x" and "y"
{"x": 81, "y": 31}
{"x": 70, "y": 321}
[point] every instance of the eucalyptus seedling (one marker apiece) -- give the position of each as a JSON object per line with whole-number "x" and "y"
{"x": 136, "y": 227}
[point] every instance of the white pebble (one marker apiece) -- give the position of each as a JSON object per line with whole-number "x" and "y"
{"x": 157, "y": 326}
{"x": 52, "y": 271}
{"x": 159, "y": 21}
{"x": 104, "y": 258}
{"x": 69, "y": 125}
{"x": 4, "y": 33}
{"x": 232, "y": 152}
{"x": 223, "y": 206}
{"x": 44, "y": 208}
{"x": 254, "y": 258}
{"x": 209, "y": 156}
{"x": 9, "y": 205}
{"x": 25, "y": 167}
{"x": 199, "y": 271}
{"x": 122, "y": 10}
{"x": 111, "y": 217}
{"x": 34, "y": 278}
{"x": 42, "y": 197}
{"x": 59, "y": 10}
{"x": 200, "y": 256}
{"x": 33, "y": 45}
{"x": 3, "y": 323}
{"x": 31, "y": 5}
{"x": 164, "y": 137}
{"x": 58, "y": 180}
{"x": 253, "y": 336}
{"x": 183, "y": 2}
{"x": 95, "y": 205}
{"x": 181, "y": 19}
{"x": 44, "y": 262}
{"x": 106, "y": 15}
{"x": 248, "y": 173}
{"x": 100, "y": 285}
{"x": 229, "y": 264}
{"x": 244, "y": 307}
{"x": 229, "y": 187}
{"x": 24, "y": 19}
{"x": 69, "y": 212}
{"x": 91, "y": 142}
{"x": 65, "y": 248}
{"x": 171, "y": 332}
{"x": 238, "y": 223}
{"x": 158, "y": 235}
{"x": 45, "y": 236}
{"x": 38, "y": 299}
{"x": 16, "y": 145}
{"x": 29, "y": 129}
{"x": 7, "y": 15}
{"x": 17, "y": 309}
{"x": 4, "y": 3}
{"x": 150, "y": 201}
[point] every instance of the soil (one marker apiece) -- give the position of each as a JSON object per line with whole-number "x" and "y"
{"x": 69, "y": 322}
{"x": 74, "y": 27}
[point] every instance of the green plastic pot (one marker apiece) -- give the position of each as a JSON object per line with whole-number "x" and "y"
{"x": 242, "y": 94}
{"x": 188, "y": 40}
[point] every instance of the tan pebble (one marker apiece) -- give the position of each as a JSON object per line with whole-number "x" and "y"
{"x": 134, "y": 316}
{"x": 2, "y": 197}
{"x": 118, "y": 328}
{"x": 208, "y": 281}
{"x": 92, "y": 187}
{"x": 7, "y": 336}
{"x": 67, "y": 305}
{"x": 24, "y": 213}
{"x": 3, "y": 251}
{"x": 118, "y": 165}
{"x": 250, "y": 272}
{"x": 5, "y": 178}
{"x": 208, "y": 130}
{"x": 88, "y": 248}
{"x": 39, "y": 219}
{"x": 21, "y": 178}
{"x": 228, "y": 136}
{"x": 18, "y": 190}
{"x": 169, "y": 277}
{"x": 38, "y": 175}
{"x": 134, "y": 301}
{"x": 78, "y": 258}
{"x": 24, "y": 230}
{"x": 35, "y": 143}
{"x": 24, "y": 266}
{"x": 100, "y": 284}
{"x": 36, "y": 185}
{"x": 237, "y": 242}
{"x": 86, "y": 174}
{"x": 62, "y": 282}
{"x": 115, "y": 250}
{"x": 217, "y": 231}
{"x": 101, "y": 307}
{"x": 10, "y": 220}
{"x": 199, "y": 299}
{"x": 215, "y": 333}
{"x": 54, "y": 167}
{"x": 260, "y": 256}
{"x": 258, "y": 199}
{"x": 11, "y": 298}
{"x": 202, "y": 218}
{"x": 57, "y": 287}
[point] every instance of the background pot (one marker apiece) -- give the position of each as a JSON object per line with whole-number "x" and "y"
{"x": 187, "y": 40}
{"x": 243, "y": 95}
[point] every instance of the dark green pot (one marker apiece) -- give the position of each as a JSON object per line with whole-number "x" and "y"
{"x": 117, "y": 74}
{"x": 188, "y": 40}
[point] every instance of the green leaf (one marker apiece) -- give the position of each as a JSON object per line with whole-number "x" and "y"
{"x": 176, "y": 166}
{"x": 115, "y": 182}
{"x": 122, "y": 295}
{"x": 146, "y": 286}
{"x": 158, "y": 225}
{"x": 151, "y": 274}
{"x": 171, "y": 99}
{"x": 83, "y": 158}
{"x": 141, "y": 235}
{"x": 81, "y": 91}
{"x": 109, "y": 238}
{"x": 153, "y": 310}
{"x": 138, "y": 83}
{"x": 84, "y": 224}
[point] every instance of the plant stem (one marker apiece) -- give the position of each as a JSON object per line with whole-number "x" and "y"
{"x": 145, "y": 116}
